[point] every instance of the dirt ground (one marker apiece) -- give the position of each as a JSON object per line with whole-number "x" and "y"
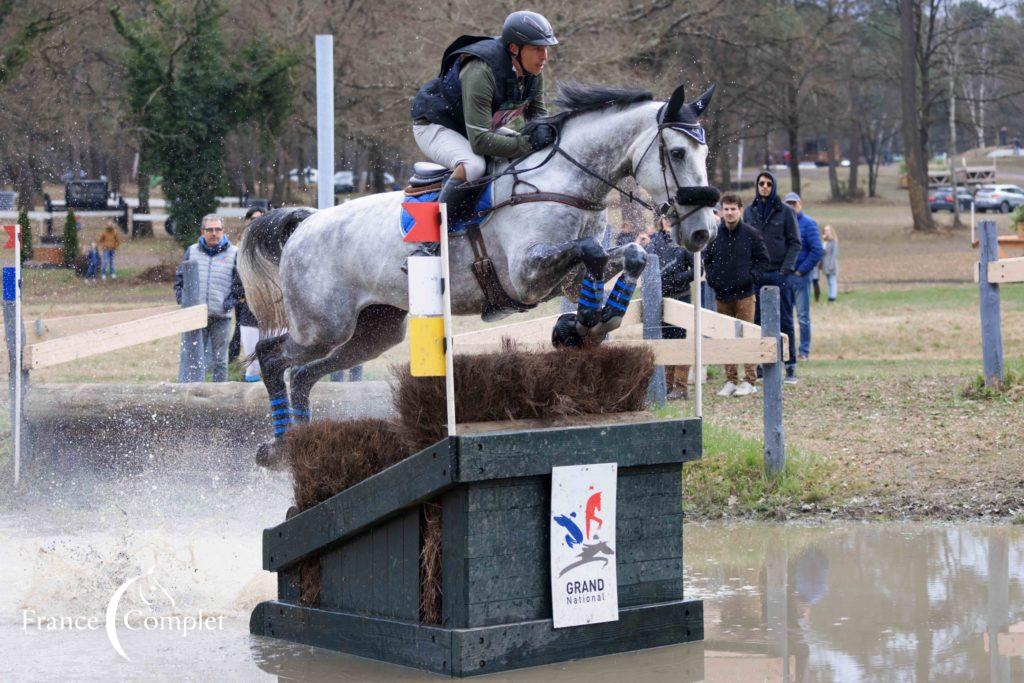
{"x": 880, "y": 397}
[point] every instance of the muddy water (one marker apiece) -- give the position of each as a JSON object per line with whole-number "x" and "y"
{"x": 841, "y": 602}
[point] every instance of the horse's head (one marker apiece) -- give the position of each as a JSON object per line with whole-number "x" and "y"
{"x": 672, "y": 167}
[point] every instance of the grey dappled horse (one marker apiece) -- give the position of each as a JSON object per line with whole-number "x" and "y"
{"x": 334, "y": 278}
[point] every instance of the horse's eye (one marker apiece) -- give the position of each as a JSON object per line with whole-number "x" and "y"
{"x": 678, "y": 154}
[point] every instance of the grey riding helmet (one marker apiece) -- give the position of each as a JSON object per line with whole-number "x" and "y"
{"x": 527, "y": 28}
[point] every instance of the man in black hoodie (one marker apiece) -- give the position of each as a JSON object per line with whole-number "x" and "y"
{"x": 777, "y": 224}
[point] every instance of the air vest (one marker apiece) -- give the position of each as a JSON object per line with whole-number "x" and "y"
{"x": 440, "y": 100}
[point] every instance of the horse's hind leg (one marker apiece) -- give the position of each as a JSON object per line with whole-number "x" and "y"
{"x": 273, "y": 363}
{"x": 378, "y": 328}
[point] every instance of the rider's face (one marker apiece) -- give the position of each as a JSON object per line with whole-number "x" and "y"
{"x": 534, "y": 57}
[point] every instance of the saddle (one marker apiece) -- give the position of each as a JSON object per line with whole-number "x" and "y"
{"x": 428, "y": 178}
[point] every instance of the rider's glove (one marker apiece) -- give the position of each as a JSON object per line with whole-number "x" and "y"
{"x": 542, "y": 136}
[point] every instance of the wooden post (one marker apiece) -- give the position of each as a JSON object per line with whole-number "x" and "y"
{"x": 449, "y": 348}
{"x": 16, "y": 384}
{"x": 774, "y": 436}
{"x": 698, "y": 361}
{"x": 650, "y": 290}
{"x": 991, "y": 330}
{"x": 192, "y": 361}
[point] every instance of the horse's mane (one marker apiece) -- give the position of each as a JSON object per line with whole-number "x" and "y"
{"x": 575, "y": 98}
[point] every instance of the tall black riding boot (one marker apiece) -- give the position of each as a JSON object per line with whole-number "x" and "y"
{"x": 461, "y": 201}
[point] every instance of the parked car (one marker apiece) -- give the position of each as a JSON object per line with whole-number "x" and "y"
{"x": 344, "y": 182}
{"x": 310, "y": 174}
{"x": 1002, "y": 198}
{"x": 389, "y": 181}
{"x": 941, "y": 198}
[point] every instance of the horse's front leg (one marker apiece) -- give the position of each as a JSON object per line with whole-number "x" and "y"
{"x": 633, "y": 260}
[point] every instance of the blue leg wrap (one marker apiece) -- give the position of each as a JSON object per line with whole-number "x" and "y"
{"x": 591, "y": 294}
{"x": 621, "y": 293}
{"x": 281, "y": 414}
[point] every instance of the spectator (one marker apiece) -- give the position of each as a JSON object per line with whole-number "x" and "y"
{"x": 676, "y": 266}
{"x": 92, "y": 264}
{"x": 735, "y": 263}
{"x": 218, "y": 289}
{"x": 830, "y": 262}
{"x": 248, "y": 328}
{"x": 816, "y": 281}
{"x": 627, "y": 234}
{"x": 242, "y": 312}
{"x": 109, "y": 243}
{"x": 810, "y": 254}
{"x": 777, "y": 224}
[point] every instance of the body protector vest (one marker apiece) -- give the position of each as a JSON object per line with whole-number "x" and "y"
{"x": 440, "y": 100}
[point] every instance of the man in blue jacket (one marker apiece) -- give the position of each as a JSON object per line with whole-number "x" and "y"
{"x": 777, "y": 224}
{"x": 811, "y": 252}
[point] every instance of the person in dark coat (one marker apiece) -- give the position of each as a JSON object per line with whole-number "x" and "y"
{"x": 777, "y": 224}
{"x": 676, "y": 265}
{"x": 734, "y": 264}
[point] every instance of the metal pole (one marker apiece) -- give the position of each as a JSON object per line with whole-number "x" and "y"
{"x": 16, "y": 427}
{"x": 774, "y": 436}
{"x": 191, "y": 364}
{"x": 324, "y": 121}
{"x": 991, "y": 326}
{"x": 449, "y": 350}
{"x": 698, "y": 342}
{"x": 650, "y": 291}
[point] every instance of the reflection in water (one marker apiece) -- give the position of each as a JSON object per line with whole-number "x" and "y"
{"x": 862, "y": 602}
{"x": 782, "y": 603}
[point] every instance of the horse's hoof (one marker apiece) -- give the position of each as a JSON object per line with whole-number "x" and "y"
{"x": 565, "y": 335}
{"x": 271, "y": 455}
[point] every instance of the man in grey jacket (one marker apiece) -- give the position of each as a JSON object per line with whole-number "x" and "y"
{"x": 777, "y": 224}
{"x": 217, "y": 289}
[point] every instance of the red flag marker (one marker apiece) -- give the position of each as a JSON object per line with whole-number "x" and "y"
{"x": 426, "y": 218}
{"x": 9, "y": 229}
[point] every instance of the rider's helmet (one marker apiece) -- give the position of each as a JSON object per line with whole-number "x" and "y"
{"x": 527, "y": 28}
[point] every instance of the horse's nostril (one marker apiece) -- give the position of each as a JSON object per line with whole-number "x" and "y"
{"x": 700, "y": 236}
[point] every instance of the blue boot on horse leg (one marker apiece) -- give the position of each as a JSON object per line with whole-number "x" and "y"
{"x": 593, "y": 321}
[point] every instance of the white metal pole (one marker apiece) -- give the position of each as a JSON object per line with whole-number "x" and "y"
{"x": 16, "y": 427}
{"x": 324, "y": 121}
{"x": 697, "y": 341}
{"x": 739, "y": 161}
{"x": 449, "y": 350}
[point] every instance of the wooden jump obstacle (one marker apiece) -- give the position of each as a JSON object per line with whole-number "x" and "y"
{"x": 494, "y": 490}
{"x": 990, "y": 272}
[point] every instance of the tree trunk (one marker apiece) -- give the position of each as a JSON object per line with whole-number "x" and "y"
{"x": 280, "y": 184}
{"x": 376, "y": 166}
{"x": 917, "y": 164}
{"x": 952, "y": 135}
{"x": 836, "y": 191}
{"x": 794, "y": 159}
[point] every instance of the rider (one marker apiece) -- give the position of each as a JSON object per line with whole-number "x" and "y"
{"x": 485, "y": 84}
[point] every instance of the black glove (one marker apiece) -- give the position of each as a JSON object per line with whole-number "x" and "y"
{"x": 542, "y": 136}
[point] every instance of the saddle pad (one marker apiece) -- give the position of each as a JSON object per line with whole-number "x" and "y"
{"x": 484, "y": 203}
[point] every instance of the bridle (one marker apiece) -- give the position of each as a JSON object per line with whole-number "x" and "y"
{"x": 697, "y": 196}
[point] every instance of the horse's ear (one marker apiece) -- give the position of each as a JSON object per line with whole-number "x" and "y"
{"x": 675, "y": 103}
{"x": 700, "y": 105}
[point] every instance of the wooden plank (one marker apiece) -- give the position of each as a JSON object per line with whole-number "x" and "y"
{"x": 51, "y": 328}
{"x": 401, "y": 486}
{"x": 1005, "y": 271}
{"x": 523, "y": 454}
{"x": 389, "y": 640}
{"x": 536, "y": 330}
{"x": 94, "y": 342}
{"x": 454, "y": 535}
{"x": 554, "y": 422}
{"x": 530, "y": 643}
{"x": 666, "y": 351}
{"x": 713, "y": 325}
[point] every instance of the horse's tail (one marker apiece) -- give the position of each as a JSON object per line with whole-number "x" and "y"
{"x": 259, "y": 258}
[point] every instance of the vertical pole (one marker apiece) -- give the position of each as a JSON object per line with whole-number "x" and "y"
{"x": 774, "y": 436}
{"x": 449, "y": 349}
{"x": 324, "y": 121}
{"x": 972, "y": 222}
{"x": 998, "y": 619}
{"x": 650, "y": 292}
{"x": 739, "y": 161}
{"x": 698, "y": 342}
{"x": 191, "y": 363}
{"x": 16, "y": 426}
{"x": 991, "y": 331}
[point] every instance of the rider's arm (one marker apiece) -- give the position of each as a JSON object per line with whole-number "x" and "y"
{"x": 477, "y": 94}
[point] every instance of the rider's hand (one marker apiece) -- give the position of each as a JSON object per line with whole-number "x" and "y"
{"x": 542, "y": 136}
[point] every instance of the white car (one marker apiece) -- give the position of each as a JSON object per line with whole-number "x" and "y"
{"x": 1002, "y": 198}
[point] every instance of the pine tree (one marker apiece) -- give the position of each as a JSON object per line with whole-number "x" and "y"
{"x": 70, "y": 239}
{"x": 27, "y": 252}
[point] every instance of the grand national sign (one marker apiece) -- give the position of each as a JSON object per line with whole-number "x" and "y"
{"x": 584, "y": 588}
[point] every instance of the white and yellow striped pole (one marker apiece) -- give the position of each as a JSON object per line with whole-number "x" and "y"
{"x": 430, "y": 310}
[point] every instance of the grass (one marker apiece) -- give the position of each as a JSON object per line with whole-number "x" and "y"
{"x": 1011, "y": 389}
{"x": 729, "y": 479}
{"x": 931, "y": 297}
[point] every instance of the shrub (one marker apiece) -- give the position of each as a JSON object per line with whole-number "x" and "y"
{"x": 70, "y": 239}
